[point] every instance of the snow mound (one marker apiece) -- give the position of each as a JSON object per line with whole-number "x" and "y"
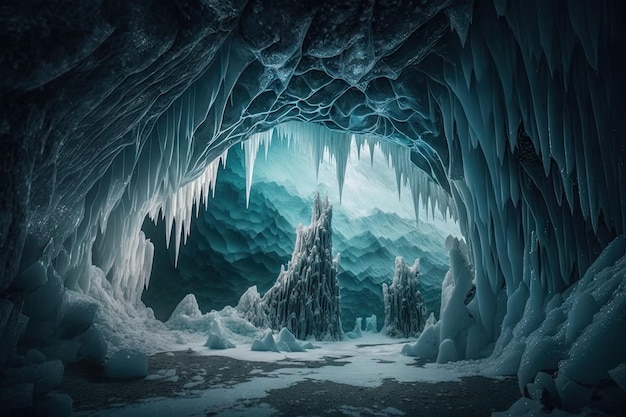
{"x": 187, "y": 315}
{"x": 265, "y": 344}
{"x": 217, "y": 339}
{"x": 285, "y": 342}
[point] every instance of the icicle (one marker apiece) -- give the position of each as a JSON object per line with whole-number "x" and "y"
{"x": 251, "y": 148}
{"x": 177, "y": 209}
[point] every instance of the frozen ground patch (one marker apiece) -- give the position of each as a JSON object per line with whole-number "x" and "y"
{"x": 349, "y": 410}
{"x": 367, "y": 376}
{"x": 363, "y": 362}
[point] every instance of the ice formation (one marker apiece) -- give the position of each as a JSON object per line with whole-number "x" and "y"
{"x": 305, "y": 297}
{"x": 371, "y": 326}
{"x": 245, "y": 246}
{"x": 456, "y": 335}
{"x": 513, "y": 108}
{"x": 265, "y": 343}
{"x": 220, "y": 328}
{"x": 405, "y": 312}
{"x": 217, "y": 339}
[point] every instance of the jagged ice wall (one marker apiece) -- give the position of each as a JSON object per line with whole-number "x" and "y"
{"x": 110, "y": 109}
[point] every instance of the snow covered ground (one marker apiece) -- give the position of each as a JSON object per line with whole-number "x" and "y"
{"x": 364, "y": 363}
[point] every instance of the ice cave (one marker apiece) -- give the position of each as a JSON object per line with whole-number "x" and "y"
{"x": 304, "y": 208}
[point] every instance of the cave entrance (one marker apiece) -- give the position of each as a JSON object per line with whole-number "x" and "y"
{"x": 248, "y": 231}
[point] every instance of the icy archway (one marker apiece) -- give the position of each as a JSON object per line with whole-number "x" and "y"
{"x": 231, "y": 247}
{"x": 512, "y": 107}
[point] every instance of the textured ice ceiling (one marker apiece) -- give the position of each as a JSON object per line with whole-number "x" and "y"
{"x": 513, "y": 107}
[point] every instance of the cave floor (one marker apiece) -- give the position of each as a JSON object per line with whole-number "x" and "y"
{"x": 186, "y": 383}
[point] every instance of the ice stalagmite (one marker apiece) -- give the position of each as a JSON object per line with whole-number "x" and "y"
{"x": 405, "y": 311}
{"x": 305, "y": 297}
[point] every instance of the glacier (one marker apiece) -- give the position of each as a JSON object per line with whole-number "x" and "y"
{"x": 112, "y": 112}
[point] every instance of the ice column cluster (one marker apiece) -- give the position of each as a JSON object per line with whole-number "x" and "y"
{"x": 405, "y": 312}
{"x": 305, "y": 297}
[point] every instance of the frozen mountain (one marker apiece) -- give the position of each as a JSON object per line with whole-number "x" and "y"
{"x": 509, "y": 117}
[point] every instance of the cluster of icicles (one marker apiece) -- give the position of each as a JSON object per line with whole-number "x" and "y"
{"x": 318, "y": 142}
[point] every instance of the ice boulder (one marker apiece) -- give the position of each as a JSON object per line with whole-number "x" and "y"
{"x": 16, "y": 397}
{"x": 544, "y": 389}
{"x": 540, "y": 353}
{"x": 79, "y": 314}
{"x": 287, "y": 342}
{"x": 32, "y": 278}
{"x": 93, "y": 346}
{"x": 217, "y": 338}
{"x": 34, "y": 356}
{"x": 447, "y": 352}
{"x": 46, "y": 376}
{"x": 606, "y": 326}
{"x": 127, "y": 364}
{"x": 186, "y": 315}
{"x": 371, "y": 324}
{"x": 618, "y": 375}
{"x": 265, "y": 344}
{"x": 46, "y": 301}
{"x": 64, "y": 350}
{"x": 216, "y": 341}
{"x": 573, "y": 395}
{"x": 356, "y": 331}
{"x": 583, "y": 309}
{"x": 426, "y": 346}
